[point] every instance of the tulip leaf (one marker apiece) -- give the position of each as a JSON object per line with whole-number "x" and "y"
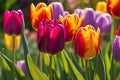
{"x": 77, "y": 74}
{"x": 64, "y": 62}
{"x": 107, "y": 61}
{"x": 6, "y": 70}
{"x": 19, "y": 73}
{"x": 100, "y": 73}
{"x": 35, "y": 72}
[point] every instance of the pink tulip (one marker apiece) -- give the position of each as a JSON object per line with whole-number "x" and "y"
{"x": 12, "y": 22}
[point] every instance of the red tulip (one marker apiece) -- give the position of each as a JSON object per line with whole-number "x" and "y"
{"x": 113, "y": 7}
{"x": 12, "y": 22}
{"x": 87, "y": 42}
{"x": 50, "y": 36}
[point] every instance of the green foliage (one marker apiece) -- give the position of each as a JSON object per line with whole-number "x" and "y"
{"x": 35, "y": 72}
{"x": 7, "y": 69}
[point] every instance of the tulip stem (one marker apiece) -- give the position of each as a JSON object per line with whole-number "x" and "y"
{"x": 86, "y": 70}
{"x": 50, "y": 68}
{"x": 40, "y": 61}
{"x": 14, "y": 57}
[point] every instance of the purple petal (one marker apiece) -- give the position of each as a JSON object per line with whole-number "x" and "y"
{"x": 64, "y": 13}
{"x": 57, "y": 9}
{"x": 21, "y": 65}
{"x": 116, "y": 48}
{"x": 89, "y": 17}
{"x": 79, "y": 12}
{"x": 57, "y": 39}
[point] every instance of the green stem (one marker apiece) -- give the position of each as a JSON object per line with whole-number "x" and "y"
{"x": 40, "y": 60}
{"x": 14, "y": 57}
{"x": 86, "y": 70}
{"x": 50, "y": 68}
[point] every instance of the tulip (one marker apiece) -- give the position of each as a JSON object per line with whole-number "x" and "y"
{"x": 113, "y": 7}
{"x": 71, "y": 23}
{"x": 87, "y": 42}
{"x": 101, "y": 6}
{"x": 12, "y": 22}
{"x": 104, "y": 21}
{"x": 57, "y": 9}
{"x": 9, "y": 41}
{"x": 116, "y": 47}
{"x": 21, "y": 64}
{"x": 79, "y": 12}
{"x": 89, "y": 16}
{"x": 50, "y": 36}
{"x": 38, "y": 13}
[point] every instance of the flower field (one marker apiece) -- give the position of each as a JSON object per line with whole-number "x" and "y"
{"x": 60, "y": 40}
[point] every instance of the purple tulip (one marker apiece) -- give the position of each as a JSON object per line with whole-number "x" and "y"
{"x": 21, "y": 65}
{"x": 80, "y": 12}
{"x": 57, "y": 9}
{"x": 50, "y": 36}
{"x": 116, "y": 48}
{"x": 104, "y": 21}
{"x": 12, "y": 22}
{"x": 89, "y": 17}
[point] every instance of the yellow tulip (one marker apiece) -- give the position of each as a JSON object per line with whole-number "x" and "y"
{"x": 101, "y": 6}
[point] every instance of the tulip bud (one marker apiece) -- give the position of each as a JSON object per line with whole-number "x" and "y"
{"x": 12, "y": 22}
{"x": 87, "y": 42}
{"x": 38, "y": 13}
{"x": 9, "y": 41}
{"x": 113, "y": 7}
{"x": 50, "y": 36}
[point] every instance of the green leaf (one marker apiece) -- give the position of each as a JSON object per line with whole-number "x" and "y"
{"x": 19, "y": 73}
{"x": 107, "y": 60}
{"x": 100, "y": 73}
{"x": 35, "y": 72}
{"x": 6, "y": 70}
{"x": 77, "y": 74}
{"x": 64, "y": 62}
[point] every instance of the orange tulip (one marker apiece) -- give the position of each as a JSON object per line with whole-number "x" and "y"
{"x": 9, "y": 41}
{"x": 113, "y": 7}
{"x": 71, "y": 23}
{"x": 101, "y": 6}
{"x": 87, "y": 42}
{"x": 38, "y": 13}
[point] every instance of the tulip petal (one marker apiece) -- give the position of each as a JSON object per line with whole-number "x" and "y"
{"x": 57, "y": 38}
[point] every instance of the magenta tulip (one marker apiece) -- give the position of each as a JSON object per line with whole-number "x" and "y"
{"x": 12, "y": 22}
{"x": 50, "y": 36}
